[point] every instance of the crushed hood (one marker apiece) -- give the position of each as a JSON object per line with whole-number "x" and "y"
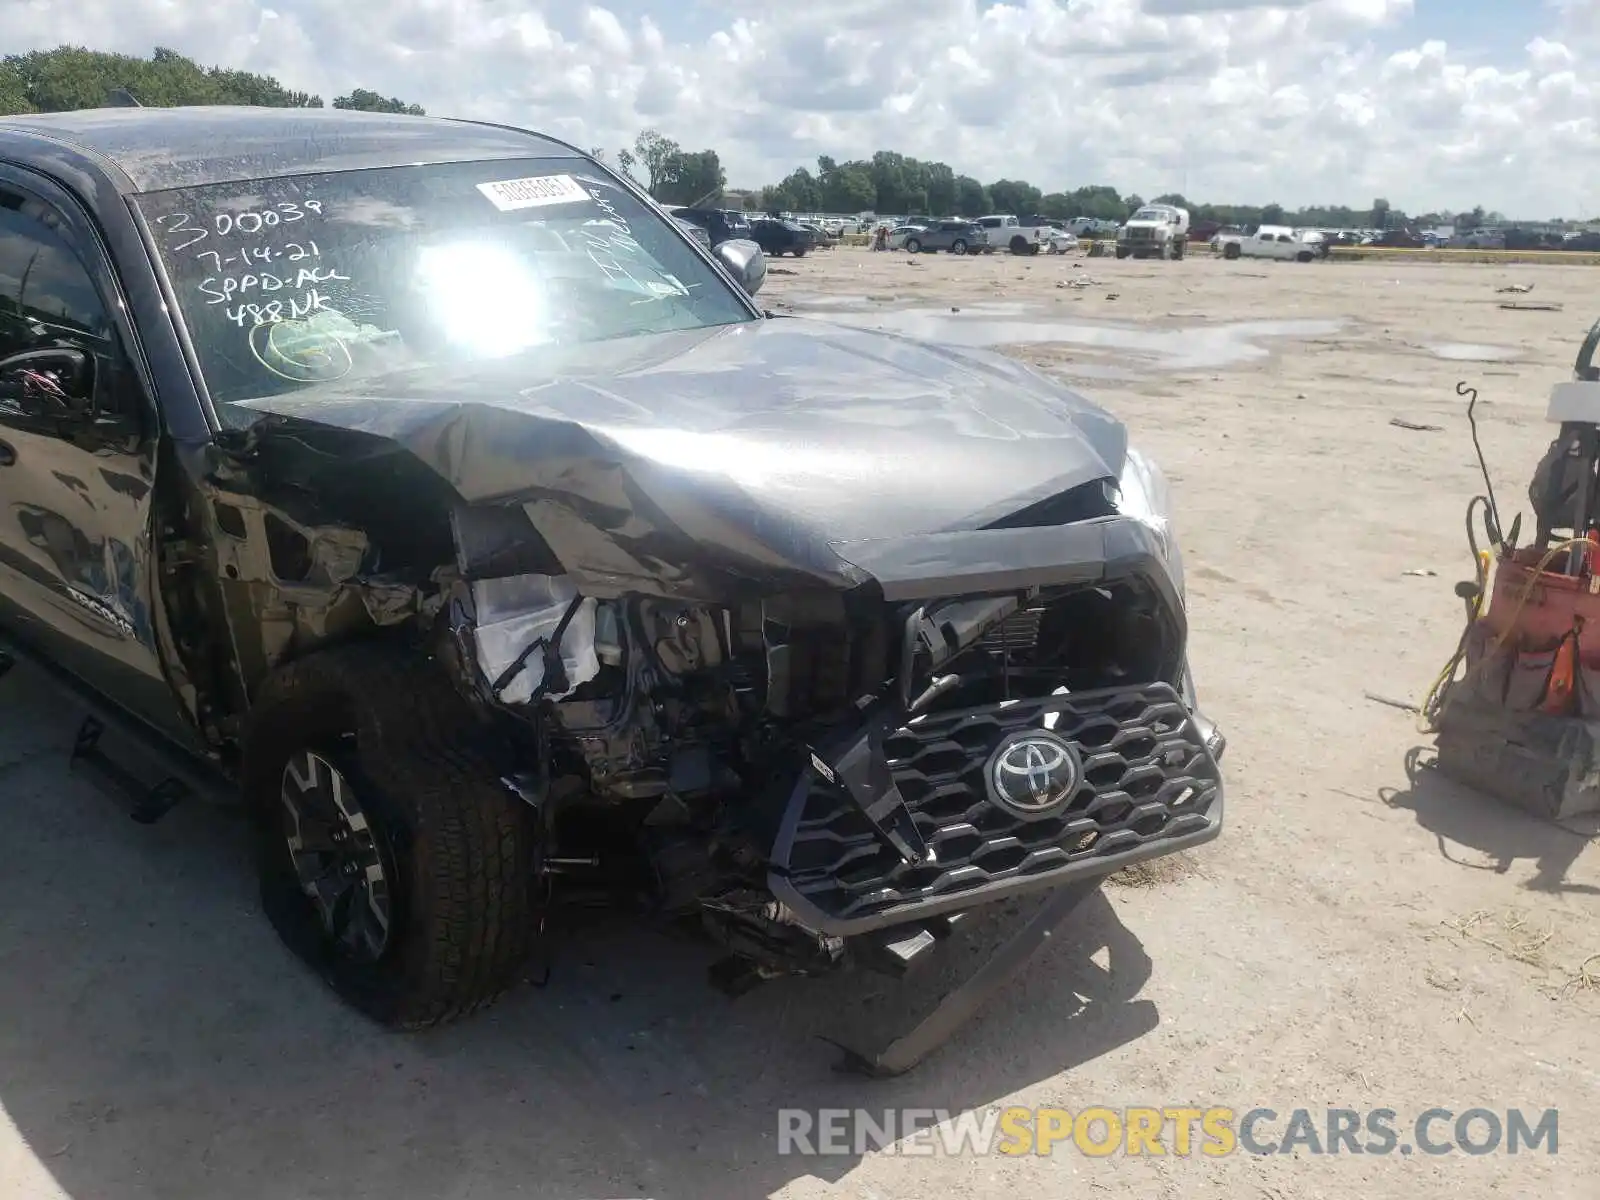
{"x": 797, "y": 433}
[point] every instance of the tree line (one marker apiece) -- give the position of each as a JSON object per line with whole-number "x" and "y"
{"x": 71, "y": 77}
{"x": 894, "y": 183}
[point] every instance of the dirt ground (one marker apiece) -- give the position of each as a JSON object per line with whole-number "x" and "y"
{"x": 1362, "y": 936}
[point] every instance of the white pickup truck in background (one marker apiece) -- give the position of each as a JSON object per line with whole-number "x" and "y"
{"x": 1023, "y": 235}
{"x": 1273, "y": 241}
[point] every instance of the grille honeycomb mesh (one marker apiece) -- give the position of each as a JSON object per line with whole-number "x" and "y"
{"x": 1147, "y": 777}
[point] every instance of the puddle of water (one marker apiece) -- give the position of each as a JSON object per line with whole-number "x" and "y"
{"x": 818, "y": 302}
{"x": 1474, "y": 352}
{"x": 989, "y": 325}
{"x": 1085, "y": 371}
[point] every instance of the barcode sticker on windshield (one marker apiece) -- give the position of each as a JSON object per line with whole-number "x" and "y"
{"x": 508, "y": 195}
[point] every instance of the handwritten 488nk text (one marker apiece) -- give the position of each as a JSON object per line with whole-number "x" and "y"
{"x": 296, "y": 308}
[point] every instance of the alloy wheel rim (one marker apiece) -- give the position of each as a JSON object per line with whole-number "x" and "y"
{"x": 335, "y": 856}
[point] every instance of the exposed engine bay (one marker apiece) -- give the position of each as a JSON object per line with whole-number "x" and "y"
{"x": 669, "y": 735}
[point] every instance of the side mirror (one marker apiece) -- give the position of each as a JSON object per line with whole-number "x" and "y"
{"x": 745, "y": 262}
{"x": 55, "y": 380}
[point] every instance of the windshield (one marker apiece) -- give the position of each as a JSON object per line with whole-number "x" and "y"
{"x": 1151, "y": 214}
{"x": 309, "y": 279}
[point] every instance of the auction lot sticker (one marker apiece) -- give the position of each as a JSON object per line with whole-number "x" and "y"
{"x": 508, "y": 195}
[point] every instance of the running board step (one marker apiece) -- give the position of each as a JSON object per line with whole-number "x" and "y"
{"x": 146, "y": 804}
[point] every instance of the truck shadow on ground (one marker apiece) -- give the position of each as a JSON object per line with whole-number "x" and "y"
{"x": 156, "y": 1040}
{"x": 1504, "y": 835}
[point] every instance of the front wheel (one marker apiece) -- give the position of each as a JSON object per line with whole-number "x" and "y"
{"x": 1178, "y": 250}
{"x": 1122, "y": 252}
{"x": 392, "y": 857}
{"x": 913, "y": 246}
{"x": 800, "y": 251}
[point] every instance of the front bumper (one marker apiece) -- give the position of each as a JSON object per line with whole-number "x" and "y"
{"x": 1150, "y": 786}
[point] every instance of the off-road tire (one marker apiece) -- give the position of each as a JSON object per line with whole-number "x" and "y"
{"x": 913, "y": 246}
{"x": 1231, "y": 250}
{"x": 1178, "y": 249}
{"x": 460, "y": 847}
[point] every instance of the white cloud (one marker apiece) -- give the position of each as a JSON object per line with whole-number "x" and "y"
{"x": 1296, "y": 101}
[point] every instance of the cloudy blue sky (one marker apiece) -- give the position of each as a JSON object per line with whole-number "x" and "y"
{"x": 1428, "y": 103}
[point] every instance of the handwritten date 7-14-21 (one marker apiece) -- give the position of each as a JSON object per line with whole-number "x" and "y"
{"x": 249, "y": 257}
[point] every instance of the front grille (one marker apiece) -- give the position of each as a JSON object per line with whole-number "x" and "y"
{"x": 1147, "y": 778}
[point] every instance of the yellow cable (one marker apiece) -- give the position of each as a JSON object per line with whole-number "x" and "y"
{"x": 1444, "y": 678}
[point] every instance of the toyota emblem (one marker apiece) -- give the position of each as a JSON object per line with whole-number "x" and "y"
{"x": 1033, "y": 774}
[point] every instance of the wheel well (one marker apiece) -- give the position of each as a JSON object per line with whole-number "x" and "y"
{"x": 269, "y": 557}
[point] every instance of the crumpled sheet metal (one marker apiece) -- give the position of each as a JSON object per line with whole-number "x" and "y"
{"x": 715, "y": 464}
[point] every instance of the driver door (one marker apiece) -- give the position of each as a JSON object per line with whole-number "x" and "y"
{"x": 76, "y": 457}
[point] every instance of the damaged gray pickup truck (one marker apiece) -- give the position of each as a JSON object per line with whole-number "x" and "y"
{"x": 424, "y": 483}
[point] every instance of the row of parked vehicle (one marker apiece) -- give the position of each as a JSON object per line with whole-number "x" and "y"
{"x": 1154, "y": 231}
{"x": 985, "y": 235}
{"x": 954, "y": 235}
{"x": 1485, "y": 238}
{"x": 775, "y": 235}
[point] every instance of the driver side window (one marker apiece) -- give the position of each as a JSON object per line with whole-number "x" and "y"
{"x": 45, "y": 291}
{"x": 48, "y": 300}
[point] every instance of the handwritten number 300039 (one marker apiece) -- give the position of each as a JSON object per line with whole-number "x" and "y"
{"x": 248, "y": 222}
